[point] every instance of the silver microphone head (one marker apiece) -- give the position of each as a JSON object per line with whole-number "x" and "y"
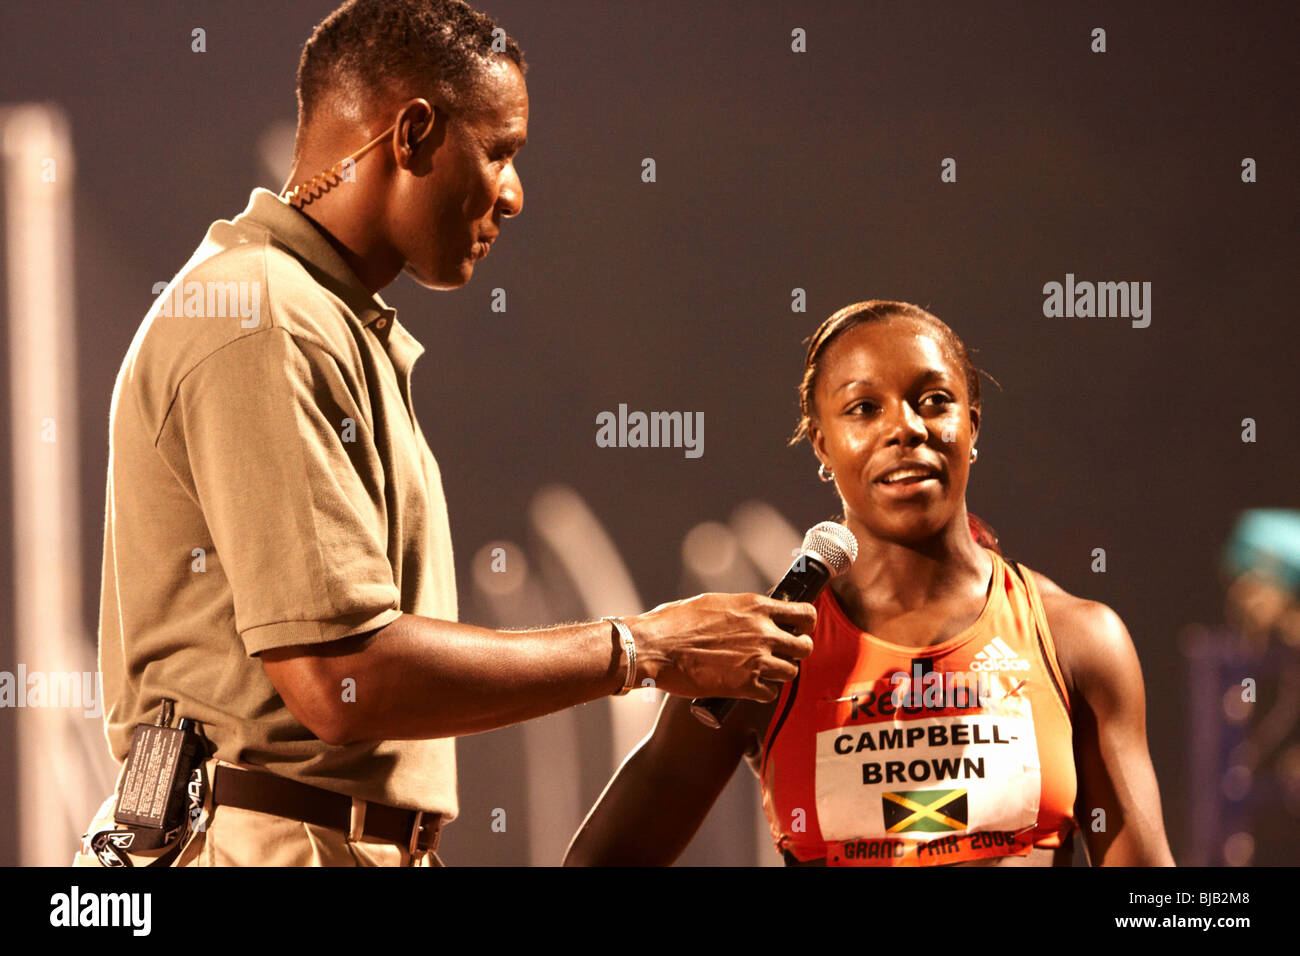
{"x": 832, "y": 544}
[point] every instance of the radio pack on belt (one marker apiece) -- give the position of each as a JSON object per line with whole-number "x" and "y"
{"x": 162, "y": 795}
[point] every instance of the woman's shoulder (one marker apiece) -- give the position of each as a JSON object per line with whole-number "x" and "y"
{"x": 1068, "y": 614}
{"x": 1090, "y": 638}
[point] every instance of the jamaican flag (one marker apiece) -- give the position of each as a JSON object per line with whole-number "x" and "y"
{"x": 924, "y": 811}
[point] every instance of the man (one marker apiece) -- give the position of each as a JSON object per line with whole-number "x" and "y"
{"x": 277, "y": 555}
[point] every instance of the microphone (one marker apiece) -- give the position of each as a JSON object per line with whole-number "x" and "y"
{"x": 827, "y": 551}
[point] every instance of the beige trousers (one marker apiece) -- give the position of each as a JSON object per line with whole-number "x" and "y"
{"x": 237, "y": 837}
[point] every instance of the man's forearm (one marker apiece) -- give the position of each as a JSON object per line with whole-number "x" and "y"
{"x": 419, "y": 677}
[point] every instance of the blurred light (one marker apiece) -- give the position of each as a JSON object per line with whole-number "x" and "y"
{"x": 1239, "y": 849}
{"x": 54, "y": 796}
{"x": 710, "y": 549}
{"x": 511, "y": 562}
{"x": 1236, "y": 782}
{"x": 1235, "y": 709}
{"x": 582, "y": 545}
{"x": 768, "y": 539}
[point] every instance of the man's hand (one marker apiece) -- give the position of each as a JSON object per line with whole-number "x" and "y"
{"x": 722, "y": 645}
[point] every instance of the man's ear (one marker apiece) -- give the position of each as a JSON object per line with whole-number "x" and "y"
{"x": 415, "y": 122}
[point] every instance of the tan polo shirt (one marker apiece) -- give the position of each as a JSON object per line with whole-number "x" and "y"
{"x": 268, "y": 485}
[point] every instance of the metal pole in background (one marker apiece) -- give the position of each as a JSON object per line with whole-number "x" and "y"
{"x": 64, "y": 768}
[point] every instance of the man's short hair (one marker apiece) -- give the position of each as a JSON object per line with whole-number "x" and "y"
{"x": 369, "y": 51}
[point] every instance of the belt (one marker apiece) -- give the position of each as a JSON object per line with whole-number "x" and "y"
{"x": 268, "y": 793}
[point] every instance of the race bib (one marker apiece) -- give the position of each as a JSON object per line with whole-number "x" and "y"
{"x": 922, "y": 790}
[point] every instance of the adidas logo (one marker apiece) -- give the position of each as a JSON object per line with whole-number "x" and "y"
{"x": 997, "y": 655}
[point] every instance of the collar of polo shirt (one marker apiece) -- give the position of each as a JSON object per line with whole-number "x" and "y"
{"x": 301, "y": 237}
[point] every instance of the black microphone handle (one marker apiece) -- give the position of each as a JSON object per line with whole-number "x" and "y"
{"x": 799, "y": 584}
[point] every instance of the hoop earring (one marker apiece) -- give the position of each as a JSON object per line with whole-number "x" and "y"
{"x": 974, "y": 453}
{"x": 823, "y": 474}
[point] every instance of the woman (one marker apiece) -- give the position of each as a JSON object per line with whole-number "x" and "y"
{"x": 957, "y": 708}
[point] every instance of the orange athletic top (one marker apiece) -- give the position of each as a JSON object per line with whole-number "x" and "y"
{"x": 883, "y": 755}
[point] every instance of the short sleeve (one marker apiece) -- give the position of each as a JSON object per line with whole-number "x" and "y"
{"x": 282, "y": 461}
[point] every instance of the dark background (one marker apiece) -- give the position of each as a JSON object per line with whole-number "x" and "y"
{"x": 777, "y": 170}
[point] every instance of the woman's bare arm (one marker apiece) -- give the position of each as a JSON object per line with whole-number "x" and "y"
{"x": 657, "y": 800}
{"x": 1108, "y": 711}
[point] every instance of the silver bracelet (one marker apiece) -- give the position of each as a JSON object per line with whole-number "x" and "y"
{"x": 629, "y": 647}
